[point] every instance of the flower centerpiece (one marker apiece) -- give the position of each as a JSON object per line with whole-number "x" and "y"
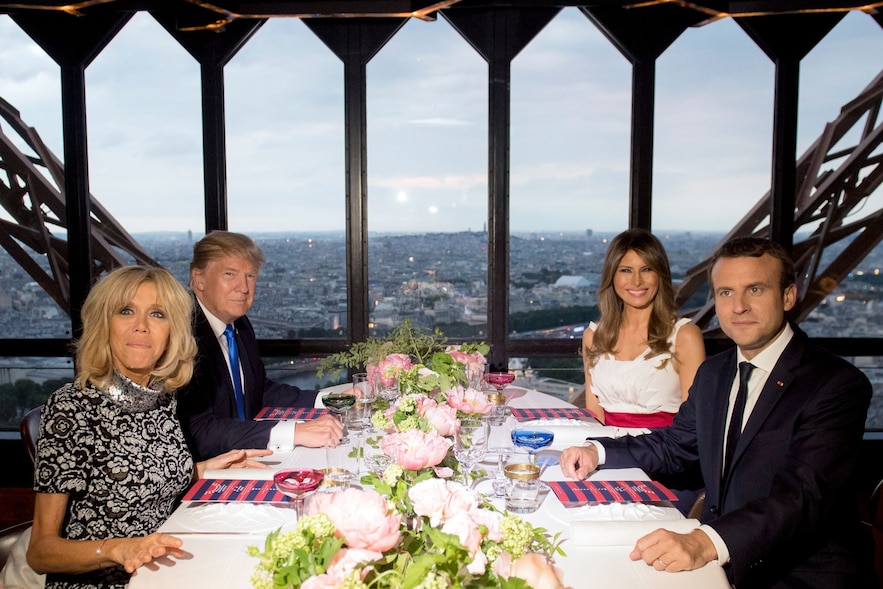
{"x": 411, "y": 526}
{"x": 432, "y": 534}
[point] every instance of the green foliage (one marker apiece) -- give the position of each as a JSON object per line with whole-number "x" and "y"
{"x": 418, "y": 344}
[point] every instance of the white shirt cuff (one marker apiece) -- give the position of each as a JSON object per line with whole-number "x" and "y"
{"x": 723, "y": 554}
{"x": 282, "y": 436}
{"x": 602, "y": 453}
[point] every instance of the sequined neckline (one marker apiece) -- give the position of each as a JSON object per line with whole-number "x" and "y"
{"x": 132, "y": 397}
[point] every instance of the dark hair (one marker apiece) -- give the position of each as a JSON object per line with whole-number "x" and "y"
{"x": 755, "y": 247}
{"x": 664, "y": 313}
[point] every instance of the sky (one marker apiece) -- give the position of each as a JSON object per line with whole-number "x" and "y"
{"x": 427, "y": 126}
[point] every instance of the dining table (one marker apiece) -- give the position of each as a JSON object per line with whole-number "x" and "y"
{"x": 596, "y": 536}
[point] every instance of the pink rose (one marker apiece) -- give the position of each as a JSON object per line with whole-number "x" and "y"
{"x": 536, "y": 570}
{"x": 360, "y": 517}
{"x": 414, "y": 449}
{"x": 442, "y": 417}
{"x": 470, "y": 401}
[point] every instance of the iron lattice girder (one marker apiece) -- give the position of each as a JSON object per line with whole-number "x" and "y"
{"x": 32, "y": 193}
{"x": 827, "y": 197}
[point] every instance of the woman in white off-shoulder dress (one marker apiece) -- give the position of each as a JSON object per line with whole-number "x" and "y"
{"x": 639, "y": 358}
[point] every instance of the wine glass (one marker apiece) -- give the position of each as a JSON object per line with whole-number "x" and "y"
{"x": 532, "y": 440}
{"x": 340, "y": 403}
{"x": 297, "y": 483}
{"x": 470, "y": 444}
{"x": 499, "y": 380}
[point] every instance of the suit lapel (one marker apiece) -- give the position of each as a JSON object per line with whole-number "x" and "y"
{"x": 777, "y": 384}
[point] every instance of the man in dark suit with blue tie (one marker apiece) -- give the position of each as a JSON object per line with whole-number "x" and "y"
{"x": 229, "y": 385}
{"x": 780, "y": 508}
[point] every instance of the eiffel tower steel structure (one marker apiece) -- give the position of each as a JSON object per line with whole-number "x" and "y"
{"x": 836, "y": 177}
{"x": 32, "y": 194}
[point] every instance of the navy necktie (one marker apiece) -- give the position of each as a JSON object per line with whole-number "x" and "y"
{"x": 735, "y": 428}
{"x": 233, "y": 354}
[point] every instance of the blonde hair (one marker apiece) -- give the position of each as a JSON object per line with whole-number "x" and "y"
{"x": 94, "y": 358}
{"x": 664, "y": 313}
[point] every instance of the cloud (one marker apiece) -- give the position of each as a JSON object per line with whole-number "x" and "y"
{"x": 427, "y": 125}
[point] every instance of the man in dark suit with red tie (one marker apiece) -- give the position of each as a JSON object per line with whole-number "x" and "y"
{"x": 778, "y": 453}
{"x": 230, "y": 385}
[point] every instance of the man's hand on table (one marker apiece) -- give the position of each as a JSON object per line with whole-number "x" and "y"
{"x": 673, "y": 552}
{"x": 577, "y": 462}
{"x": 319, "y": 432}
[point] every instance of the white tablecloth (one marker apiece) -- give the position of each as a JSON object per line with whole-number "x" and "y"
{"x": 217, "y": 535}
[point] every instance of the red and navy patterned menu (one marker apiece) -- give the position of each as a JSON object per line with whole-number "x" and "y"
{"x": 235, "y": 490}
{"x": 302, "y": 413}
{"x": 572, "y": 492}
{"x": 526, "y": 414}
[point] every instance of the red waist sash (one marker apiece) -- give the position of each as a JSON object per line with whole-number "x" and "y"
{"x": 658, "y": 419}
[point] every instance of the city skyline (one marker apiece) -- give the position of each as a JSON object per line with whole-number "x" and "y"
{"x": 427, "y": 136}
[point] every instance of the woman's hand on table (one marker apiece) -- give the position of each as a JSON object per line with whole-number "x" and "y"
{"x": 577, "y": 462}
{"x": 319, "y": 432}
{"x": 232, "y": 459}
{"x": 672, "y": 552}
{"x": 133, "y": 553}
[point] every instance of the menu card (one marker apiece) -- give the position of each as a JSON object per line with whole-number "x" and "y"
{"x": 575, "y": 492}
{"x": 235, "y": 490}
{"x": 527, "y": 414}
{"x": 278, "y": 413}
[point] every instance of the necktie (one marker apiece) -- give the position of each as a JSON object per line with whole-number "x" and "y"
{"x": 233, "y": 354}
{"x": 735, "y": 428}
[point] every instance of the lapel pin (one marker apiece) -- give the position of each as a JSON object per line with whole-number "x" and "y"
{"x": 780, "y": 383}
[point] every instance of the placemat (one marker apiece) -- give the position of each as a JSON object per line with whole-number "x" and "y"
{"x": 576, "y": 492}
{"x": 235, "y": 490}
{"x": 525, "y": 414}
{"x": 278, "y": 413}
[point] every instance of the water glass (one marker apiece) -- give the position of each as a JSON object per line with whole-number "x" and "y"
{"x": 340, "y": 469}
{"x": 470, "y": 444}
{"x": 522, "y": 494}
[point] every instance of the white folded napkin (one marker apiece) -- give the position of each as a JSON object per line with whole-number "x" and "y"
{"x": 623, "y": 533}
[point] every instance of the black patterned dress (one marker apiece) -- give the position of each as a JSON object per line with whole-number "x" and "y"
{"x": 121, "y": 457}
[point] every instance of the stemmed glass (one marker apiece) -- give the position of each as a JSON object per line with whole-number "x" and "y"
{"x": 499, "y": 380}
{"x": 470, "y": 444}
{"x": 297, "y": 483}
{"x": 532, "y": 440}
{"x": 340, "y": 403}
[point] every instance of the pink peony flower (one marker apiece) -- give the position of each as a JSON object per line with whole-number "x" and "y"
{"x": 341, "y": 567}
{"x": 490, "y": 520}
{"x": 536, "y": 570}
{"x": 414, "y": 449}
{"x": 360, "y": 517}
{"x": 439, "y": 500}
{"x": 473, "y": 360}
{"x": 465, "y": 528}
{"x": 442, "y": 417}
{"x": 390, "y": 367}
{"x": 469, "y": 401}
